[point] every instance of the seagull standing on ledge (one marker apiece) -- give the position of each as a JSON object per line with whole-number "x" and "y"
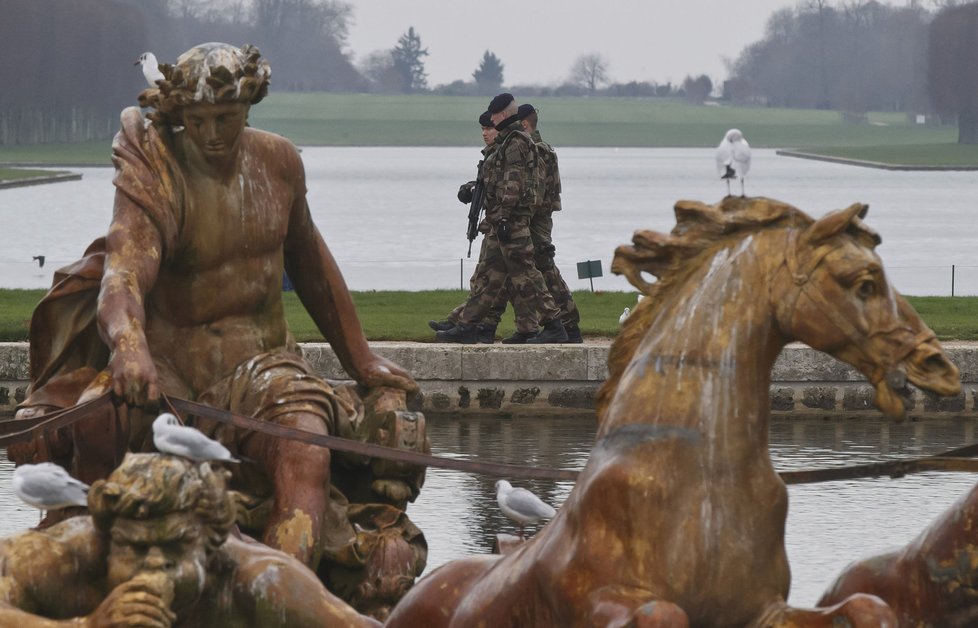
{"x": 521, "y": 505}
{"x": 151, "y": 68}
{"x": 733, "y": 158}
{"x": 47, "y": 486}
{"x": 170, "y": 437}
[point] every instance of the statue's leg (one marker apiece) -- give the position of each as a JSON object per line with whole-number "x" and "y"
{"x": 858, "y": 611}
{"x": 627, "y": 607}
{"x": 300, "y": 476}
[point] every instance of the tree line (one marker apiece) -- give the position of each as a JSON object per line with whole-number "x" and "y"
{"x": 860, "y": 56}
{"x": 67, "y": 63}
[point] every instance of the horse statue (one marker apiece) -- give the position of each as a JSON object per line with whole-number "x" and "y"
{"x": 678, "y": 517}
{"x": 930, "y": 583}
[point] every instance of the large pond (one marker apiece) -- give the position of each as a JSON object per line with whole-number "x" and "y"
{"x": 829, "y": 524}
{"x": 391, "y": 217}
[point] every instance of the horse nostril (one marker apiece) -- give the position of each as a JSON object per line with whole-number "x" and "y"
{"x": 936, "y": 362}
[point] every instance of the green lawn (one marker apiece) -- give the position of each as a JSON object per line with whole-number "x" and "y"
{"x": 908, "y": 154}
{"x": 12, "y": 174}
{"x": 382, "y": 120}
{"x": 398, "y": 315}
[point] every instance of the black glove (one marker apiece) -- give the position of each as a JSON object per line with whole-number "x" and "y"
{"x": 465, "y": 192}
{"x": 502, "y": 231}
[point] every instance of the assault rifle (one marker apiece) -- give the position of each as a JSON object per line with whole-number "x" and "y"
{"x": 475, "y": 209}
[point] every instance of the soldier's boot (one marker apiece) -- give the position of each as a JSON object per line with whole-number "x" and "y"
{"x": 519, "y": 337}
{"x": 461, "y": 333}
{"x": 573, "y": 334}
{"x": 552, "y": 332}
{"x": 487, "y": 334}
{"x": 444, "y": 325}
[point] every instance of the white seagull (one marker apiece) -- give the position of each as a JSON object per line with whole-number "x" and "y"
{"x": 170, "y": 437}
{"x": 733, "y": 158}
{"x": 151, "y": 68}
{"x": 521, "y": 505}
{"x": 48, "y": 486}
{"x": 624, "y": 316}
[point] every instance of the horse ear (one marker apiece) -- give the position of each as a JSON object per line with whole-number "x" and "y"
{"x": 833, "y": 223}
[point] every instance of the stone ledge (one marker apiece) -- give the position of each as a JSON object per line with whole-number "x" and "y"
{"x": 510, "y": 379}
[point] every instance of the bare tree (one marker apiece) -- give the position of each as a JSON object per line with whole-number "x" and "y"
{"x": 952, "y": 73}
{"x": 589, "y": 71}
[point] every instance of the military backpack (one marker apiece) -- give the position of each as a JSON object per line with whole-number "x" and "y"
{"x": 534, "y": 193}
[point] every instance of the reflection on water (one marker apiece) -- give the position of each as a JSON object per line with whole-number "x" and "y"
{"x": 829, "y": 524}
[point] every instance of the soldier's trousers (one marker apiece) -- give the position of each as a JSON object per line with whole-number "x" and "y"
{"x": 541, "y": 234}
{"x": 513, "y": 261}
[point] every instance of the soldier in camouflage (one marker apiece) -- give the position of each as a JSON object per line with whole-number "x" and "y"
{"x": 486, "y": 330}
{"x": 541, "y": 232}
{"x": 508, "y": 249}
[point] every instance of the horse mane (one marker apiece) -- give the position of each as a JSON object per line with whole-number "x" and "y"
{"x": 674, "y": 257}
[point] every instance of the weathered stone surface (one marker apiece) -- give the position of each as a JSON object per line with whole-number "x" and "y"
{"x": 452, "y": 378}
{"x": 856, "y": 399}
{"x": 782, "y": 398}
{"x": 524, "y": 363}
{"x": 819, "y": 397}
{"x": 572, "y": 397}
{"x": 490, "y": 398}
{"x": 524, "y": 396}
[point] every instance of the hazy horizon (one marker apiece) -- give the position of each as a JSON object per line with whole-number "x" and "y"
{"x": 537, "y": 41}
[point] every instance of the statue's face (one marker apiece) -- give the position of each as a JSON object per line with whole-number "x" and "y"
{"x": 489, "y": 134}
{"x": 173, "y": 544}
{"x": 215, "y": 130}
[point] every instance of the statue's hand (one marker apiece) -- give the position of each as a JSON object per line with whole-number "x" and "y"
{"x": 136, "y": 603}
{"x": 134, "y": 377}
{"x": 380, "y": 371}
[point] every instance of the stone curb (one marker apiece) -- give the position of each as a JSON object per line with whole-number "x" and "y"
{"x": 527, "y": 380}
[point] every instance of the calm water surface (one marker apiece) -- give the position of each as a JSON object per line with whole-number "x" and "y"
{"x": 392, "y": 220}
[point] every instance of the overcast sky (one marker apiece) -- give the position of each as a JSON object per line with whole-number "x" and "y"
{"x": 538, "y": 40}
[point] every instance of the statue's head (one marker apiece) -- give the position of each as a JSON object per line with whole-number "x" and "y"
{"x": 212, "y": 73}
{"x": 164, "y": 517}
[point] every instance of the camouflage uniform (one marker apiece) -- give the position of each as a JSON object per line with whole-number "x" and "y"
{"x": 481, "y": 269}
{"x": 504, "y": 174}
{"x": 541, "y": 232}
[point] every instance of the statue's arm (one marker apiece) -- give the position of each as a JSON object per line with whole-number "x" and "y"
{"x": 134, "y": 251}
{"x": 320, "y": 286}
{"x": 32, "y": 569}
{"x": 294, "y": 598}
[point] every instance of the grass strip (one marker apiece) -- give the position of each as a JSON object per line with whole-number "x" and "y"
{"x": 401, "y": 315}
{"x": 327, "y": 119}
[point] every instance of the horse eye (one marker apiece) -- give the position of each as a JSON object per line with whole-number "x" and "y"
{"x": 866, "y": 289}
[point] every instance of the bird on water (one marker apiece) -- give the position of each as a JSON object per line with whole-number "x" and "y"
{"x": 522, "y": 506}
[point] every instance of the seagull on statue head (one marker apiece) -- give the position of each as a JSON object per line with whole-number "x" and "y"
{"x": 733, "y": 158}
{"x": 150, "y": 67}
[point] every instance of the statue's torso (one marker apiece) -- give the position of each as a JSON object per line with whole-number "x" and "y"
{"x": 217, "y": 299}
